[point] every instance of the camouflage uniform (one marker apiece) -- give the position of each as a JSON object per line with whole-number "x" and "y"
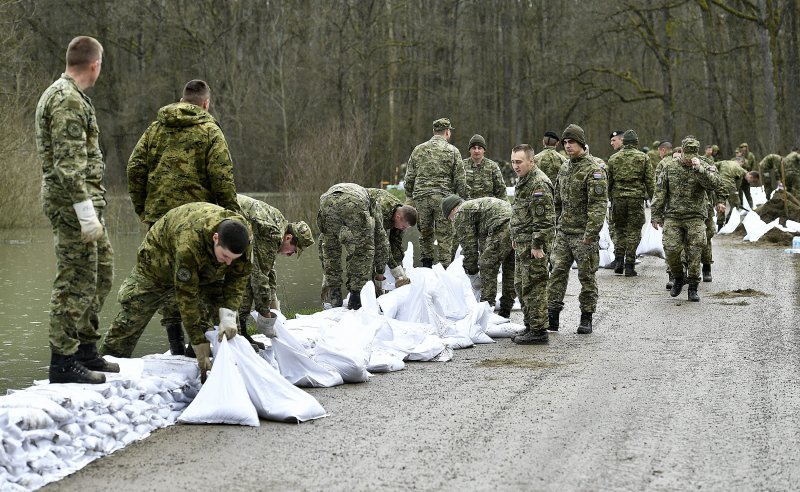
{"x": 680, "y": 204}
{"x": 713, "y": 197}
{"x": 67, "y": 140}
{"x": 177, "y": 259}
{"x": 484, "y": 179}
{"x": 580, "y": 198}
{"x": 731, "y": 175}
{"x": 630, "y": 182}
{"x": 549, "y": 161}
{"x": 653, "y": 158}
{"x": 434, "y": 170}
{"x": 482, "y": 227}
{"x": 791, "y": 171}
{"x": 269, "y": 227}
{"x": 749, "y": 163}
{"x": 387, "y": 205}
{"x": 533, "y": 227}
{"x": 348, "y": 217}
{"x": 770, "y": 171}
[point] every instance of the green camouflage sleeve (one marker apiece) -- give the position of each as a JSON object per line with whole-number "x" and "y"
{"x": 649, "y": 178}
{"x": 382, "y": 248}
{"x": 465, "y": 233}
{"x": 262, "y": 278}
{"x": 557, "y": 196}
{"x": 236, "y": 276}
{"x": 396, "y": 246}
{"x": 138, "y": 171}
{"x": 68, "y": 131}
{"x": 220, "y": 172}
{"x": 411, "y": 176}
{"x": 498, "y": 184}
{"x": 708, "y": 177}
{"x": 543, "y": 214}
{"x": 459, "y": 178}
{"x": 596, "y": 203}
{"x": 187, "y": 296}
{"x": 659, "y": 196}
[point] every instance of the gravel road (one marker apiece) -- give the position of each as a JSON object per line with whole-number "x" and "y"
{"x": 664, "y": 395}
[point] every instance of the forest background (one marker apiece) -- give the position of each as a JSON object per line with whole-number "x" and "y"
{"x": 314, "y": 92}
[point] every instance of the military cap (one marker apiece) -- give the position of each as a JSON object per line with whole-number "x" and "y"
{"x": 665, "y": 145}
{"x": 691, "y": 146}
{"x": 303, "y": 235}
{"x": 715, "y": 148}
{"x": 477, "y": 140}
{"x": 442, "y": 124}
{"x": 615, "y": 133}
{"x": 575, "y": 132}
{"x": 656, "y": 143}
{"x": 630, "y": 137}
{"x": 549, "y": 134}
{"x": 449, "y": 203}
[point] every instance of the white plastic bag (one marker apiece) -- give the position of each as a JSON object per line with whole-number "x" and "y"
{"x": 756, "y": 227}
{"x": 652, "y": 242}
{"x": 734, "y": 220}
{"x": 296, "y": 365}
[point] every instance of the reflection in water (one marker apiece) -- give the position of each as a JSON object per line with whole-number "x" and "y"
{"x": 27, "y": 270}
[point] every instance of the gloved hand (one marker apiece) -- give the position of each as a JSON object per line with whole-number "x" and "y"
{"x": 398, "y": 272}
{"x": 203, "y": 353}
{"x": 266, "y": 325}
{"x": 91, "y": 228}
{"x": 275, "y": 304}
{"x": 402, "y": 281}
{"x": 227, "y": 324}
{"x": 475, "y": 280}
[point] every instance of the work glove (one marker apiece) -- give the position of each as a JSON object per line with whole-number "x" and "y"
{"x": 399, "y": 275}
{"x": 399, "y": 282}
{"x": 275, "y": 304}
{"x": 266, "y": 325}
{"x": 203, "y": 353}
{"x": 91, "y": 228}
{"x": 227, "y": 324}
{"x": 475, "y": 280}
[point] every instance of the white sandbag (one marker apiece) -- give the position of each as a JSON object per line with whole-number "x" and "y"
{"x": 758, "y": 196}
{"x": 605, "y": 241}
{"x": 413, "y": 306}
{"x": 295, "y": 363}
{"x": 30, "y": 399}
{"x": 504, "y": 330}
{"x": 652, "y": 243}
{"x": 458, "y": 341}
{"x": 223, "y": 399}
{"x": 606, "y": 258}
{"x": 756, "y": 227}
{"x": 793, "y": 226}
{"x": 369, "y": 302}
{"x": 734, "y": 220}
{"x": 430, "y": 347}
{"x": 383, "y": 360}
{"x": 274, "y": 397}
{"x": 351, "y": 366}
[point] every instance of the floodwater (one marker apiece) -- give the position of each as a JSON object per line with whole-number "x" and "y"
{"x": 27, "y": 270}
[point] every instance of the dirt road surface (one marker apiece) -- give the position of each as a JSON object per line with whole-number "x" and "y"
{"x": 664, "y": 395}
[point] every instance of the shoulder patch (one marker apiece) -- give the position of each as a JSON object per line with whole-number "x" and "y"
{"x": 597, "y": 175}
{"x": 184, "y": 274}
{"x": 599, "y": 189}
{"x": 74, "y": 129}
{"x": 538, "y": 193}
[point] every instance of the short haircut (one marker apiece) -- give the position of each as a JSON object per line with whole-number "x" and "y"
{"x": 196, "y": 91}
{"x": 524, "y": 148}
{"x": 709, "y": 147}
{"x": 665, "y": 145}
{"x": 408, "y": 213}
{"x": 233, "y": 236}
{"x": 550, "y": 141}
{"x": 83, "y": 50}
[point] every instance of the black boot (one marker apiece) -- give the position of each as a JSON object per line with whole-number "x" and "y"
{"x": 677, "y": 287}
{"x": 355, "y": 300}
{"x": 629, "y": 270}
{"x": 66, "y": 369}
{"x": 190, "y": 352}
{"x": 427, "y": 263}
{"x": 585, "y": 326}
{"x": 552, "y": 319}
{"x": 504, "y": 312}
{"x": 523, "y": 333}
{"x": 670, "y": 281}
{"x": 693, "y": 292}
{"x": 336, "y": 297}
{"x": 88, "y": 357}
{"x": 707, "y": 273}
{"x": 177, "y": 346}
{"x": 532, "y": 337}
{"x": 619, "y": 263}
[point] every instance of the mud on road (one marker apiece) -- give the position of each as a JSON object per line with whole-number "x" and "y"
{"x": 664, "y": 395}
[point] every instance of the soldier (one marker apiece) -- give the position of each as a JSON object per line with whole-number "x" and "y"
{"x": 435, "y": 170}
{"x": 181, "y": 158}
{"x": 630, "y": 182}
{"x": 580, "y": 200}
{"x": 482, "y": 227}
{"x": 73, "y": 198}
{"x": 749, "y": 163}
{"x": 549, "y": 161}
{"x": 396, "y": 218}
{"x": 715, "y": 201}
{"x": 769, "y": 169}
{"x": 532, "y": 232}
{"x": 653, "y": 155}
{"x": 349, "y": 217}
{"x": 272, "y": 235}
{"x": 615, "y": 140}
{"x": 732, "y": 178}
{"x": 791, "y": 172}
{"x": 198, "y": 253}
{"x": 681, "y": 208}
{"x": 482, "y": 174}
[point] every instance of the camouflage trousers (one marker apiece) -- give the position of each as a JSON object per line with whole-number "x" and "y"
{"x": 530, "y": 281}
{"x": 568, "y": 248}
{"x": 84, "y": 274}
{"x": 497, "y": 252}
{"x": 344, "y": 223}
{"x": 688, "y": 235}
{"x": 258, "y": 294}
{"x": 432, "y": 225}
{"x": 707, "y": 256}
{"x": 628, "y": 219}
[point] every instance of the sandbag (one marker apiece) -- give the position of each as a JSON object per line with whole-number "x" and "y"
{"x": 606, "y": 259}
{"x": 295, "y": 363}
{"x": 734, "y": 220}
{"x": 652, "y": 242}
{"x": 756, "y": 227}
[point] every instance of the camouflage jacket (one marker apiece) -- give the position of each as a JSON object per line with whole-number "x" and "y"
{"x": 435, "y": 168}
{"x": 770, "y": 170}
{"x": 630, "y": 174}
{"x": 474, "y": 222}
{"x": 179, "y": 250}
{"x": 550, "y": 161}
{"x": 387, "y": 204}
{"x": 581, "y": 197}
{"x": 340, "y": 200}
{"x": 749, "y": 163}
{"x": 68, "y": 142}
{"x": 681, "y": 191}
{"x": 181, "y": 158}
{"x": 731, "y": 176}
{"x": 534, "y": 220}
{"x": 269, "y": 226}
{"x": 484, "y": 179}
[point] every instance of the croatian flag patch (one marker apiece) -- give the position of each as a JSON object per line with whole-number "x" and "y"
{"x": 597, "y": 175}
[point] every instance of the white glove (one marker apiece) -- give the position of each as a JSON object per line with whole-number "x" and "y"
{"x": 475, "y": 280}
{"x": 378, "y": 286}
{"x": 91, "y": 228}
{"x": 266, "y": 326}
{"x": 398, "y": 272}
{"x": 227, "y": 324}
{"x": 275, "y": 304}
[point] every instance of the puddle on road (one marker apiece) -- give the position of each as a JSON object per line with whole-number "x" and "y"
{"x": 524, "y": 363}
{"x": 727, "y": 294}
